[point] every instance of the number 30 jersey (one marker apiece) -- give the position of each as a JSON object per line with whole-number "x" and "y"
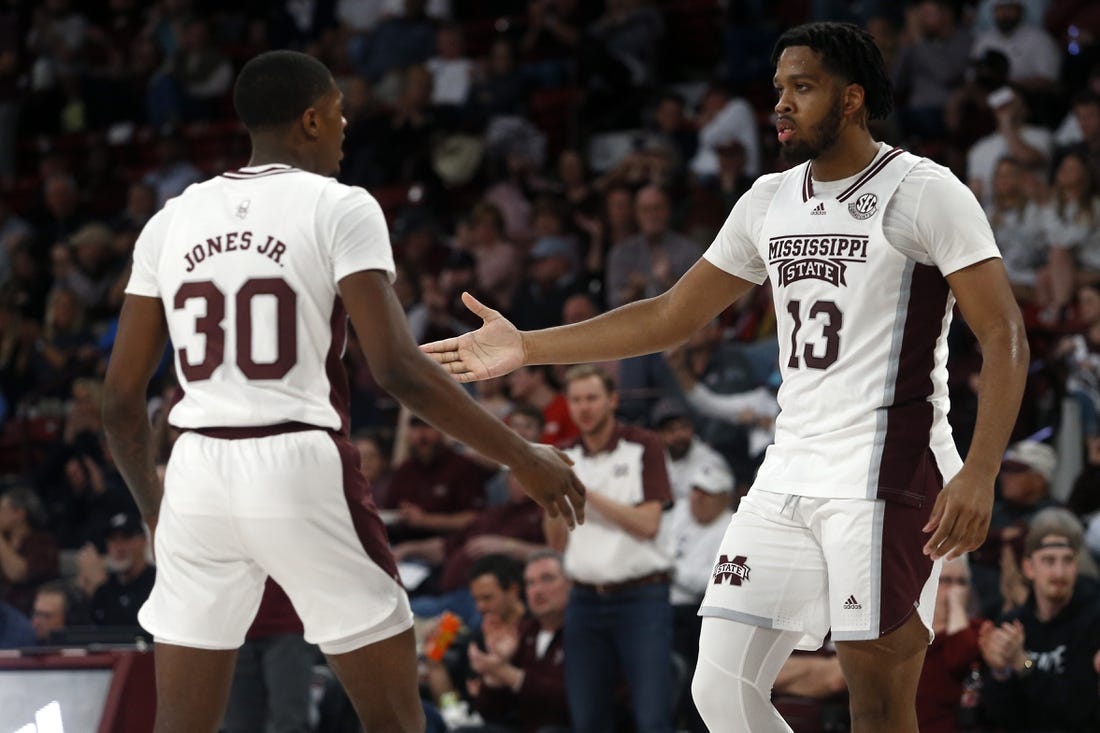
{"x": 857, "y": 269}
{"x": 247, "y": 266}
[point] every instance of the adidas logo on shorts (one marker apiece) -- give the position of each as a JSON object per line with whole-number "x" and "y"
{"x": 852, "y": 604}
{"x": 818, "y": 210}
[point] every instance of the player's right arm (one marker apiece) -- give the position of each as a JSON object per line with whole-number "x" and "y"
{"x": 641, "y": 327}
{"x": 139, "y": 346}
{"x": 419, "y": 383}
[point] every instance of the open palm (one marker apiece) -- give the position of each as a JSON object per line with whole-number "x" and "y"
{"x": 493, "y": 350}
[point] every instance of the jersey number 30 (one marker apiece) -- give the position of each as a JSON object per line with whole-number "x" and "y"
{"x": 211, "y": 326}
{"x": 831, "y": 333}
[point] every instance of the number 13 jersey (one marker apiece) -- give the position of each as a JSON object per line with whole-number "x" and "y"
{"x": 247, "y": 265}
{"x": 857, "y": 270}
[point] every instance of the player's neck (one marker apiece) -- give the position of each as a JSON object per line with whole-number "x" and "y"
{"x": 265, "y": 153}
{"x": 854, "y": 151}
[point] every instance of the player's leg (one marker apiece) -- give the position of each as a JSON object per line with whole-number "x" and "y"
{"x": 192, "y": 687}
{"x": 738, "y": 664}
{"x": 381, "y": 680}
{"x": 882, "y": 677}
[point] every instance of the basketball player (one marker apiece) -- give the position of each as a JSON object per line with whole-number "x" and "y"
{"x": 252, "y": 274}
{"x": 868, "y": 248}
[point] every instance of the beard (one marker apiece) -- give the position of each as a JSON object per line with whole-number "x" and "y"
{"x": 818, "y": 139}
{"x": 1007, "y": 25}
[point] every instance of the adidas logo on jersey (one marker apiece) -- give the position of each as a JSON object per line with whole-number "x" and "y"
{"x": 818, "y": 210}
{"x": 852, "y": 604}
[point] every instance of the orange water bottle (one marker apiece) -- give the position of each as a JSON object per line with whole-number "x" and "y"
{"x": 449, "y": 625}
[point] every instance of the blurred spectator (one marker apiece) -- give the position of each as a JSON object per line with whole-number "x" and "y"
{"x": 118, "y": 584}
{"x": 648, "y": 263}
{"x": 66, "y": 348}
{"x": 499, "y": 89}
{"x": 62, "y": 214}
{"x": 10, "y": 97}
{"x": 1085, "y": 138}
{"x": 968, "y": 115}
{"x": 552, "y": 279}
{"x": 195, "y": 78}
{"x": 513, "y": 529}
{"x": 452, "y": 72}
{"x": 552, "y": 36}
{"x": 1034, "y": 60}
{"x": 92, "y": 269}
{"x": 619, "y": 620}
{"x": 1072, "y": 227}
{"x": 273, "y": 679}
{"x": 527, "y": 688}
{"x": 693, "y": 532}
{"x": 810, "y": 692}
{"x": 173, "y": 173}
{"x": 1024, "y": 481}
{"x": 532, "y": 385}
{"x": 712, "y": 201}
{"x": 1017, "y": 221}
{"x": 437, "y": 490}
{"x": 28, "y": 554}
{"x": 953, "y": 657}
{"x": 1044, "y": 656}
{"x": 374, "y": 463}
{"x": 1081, "y": 355}
{"x": 499, "y": 264}
{"x": 722, "y": 119}
{"x": 929, "y": 69}
{"x": 983, "y": 15}
{"x": 671, "y": 123}
{"x": 14, "y": 232}
{"x": 618, "y": 59}
{"x": 686, "y": 452}
{"x": 398, "y": 42}
{"x": 1030, "y": 145}
{"x": 52, "y": 609}
{"x": 15, "y": 630}
{"x": 141, "y": 204}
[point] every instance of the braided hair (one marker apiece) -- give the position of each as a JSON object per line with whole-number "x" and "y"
{"x": 849, "y": 52}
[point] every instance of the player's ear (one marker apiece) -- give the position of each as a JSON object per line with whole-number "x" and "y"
{"x": 311, "y": 123}
{"x": 853, "y": 98}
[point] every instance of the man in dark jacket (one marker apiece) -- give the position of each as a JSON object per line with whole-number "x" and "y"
{"x": 1044, "y": 656}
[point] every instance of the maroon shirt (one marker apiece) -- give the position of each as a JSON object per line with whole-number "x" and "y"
{"x": 39, "y": 549}
{"x": 517, "y": 520}
{"x": 946, "y": 666}
{"x": 541, "y": 698}
{"x": 450, "y": 484}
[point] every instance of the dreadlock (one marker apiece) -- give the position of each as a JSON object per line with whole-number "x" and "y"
{"x": 849, "y": 52}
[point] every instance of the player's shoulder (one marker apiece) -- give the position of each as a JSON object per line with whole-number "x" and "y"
{"x": 767, "y": 184}
{"x": 926, "y": 173}
{"x": 341, "y": 195}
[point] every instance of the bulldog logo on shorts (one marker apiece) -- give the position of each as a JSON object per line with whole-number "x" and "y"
{"x": 733, "y": 571}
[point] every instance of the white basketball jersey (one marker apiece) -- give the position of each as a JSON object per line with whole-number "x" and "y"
{"x": 247, "y": 266}
{"x": 858, "y": 273}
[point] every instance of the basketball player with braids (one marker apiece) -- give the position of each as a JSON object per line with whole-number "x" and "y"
{"x": 253, "y": 274}
{"x": 868, "y": 249}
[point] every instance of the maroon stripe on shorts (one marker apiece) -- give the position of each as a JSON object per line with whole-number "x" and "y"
{"x": 339, "y": 392}
{"x": 364, "y": 517}
{"x": 909, "y": 418}
{"x": 255, "y": 431}
{"x": 905, "y": 567}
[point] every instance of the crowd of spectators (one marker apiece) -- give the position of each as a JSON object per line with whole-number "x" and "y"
{"x": 554, "y": 158}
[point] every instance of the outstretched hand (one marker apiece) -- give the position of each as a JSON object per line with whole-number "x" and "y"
{"x": 960, "y": 517}
{"x": 493, "y": 350}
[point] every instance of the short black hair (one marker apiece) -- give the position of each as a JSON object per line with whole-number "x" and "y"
{"x": 847, "y": 51}
{"x": 276, "y": 87}
{"x": 507, "y": 571}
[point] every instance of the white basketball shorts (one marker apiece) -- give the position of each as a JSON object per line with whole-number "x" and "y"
{"x": 807, "y": 564}
{"x": 291, "y": 505}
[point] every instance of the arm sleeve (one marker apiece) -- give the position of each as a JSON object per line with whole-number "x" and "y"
{"x": 734, "y": 249}
{"x": 356, "y": 232}
{"x": 949, "y": 227}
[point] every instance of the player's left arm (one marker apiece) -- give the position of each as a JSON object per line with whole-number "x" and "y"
{"x": 139, "y": 345}
{"x": 960, "y": 519}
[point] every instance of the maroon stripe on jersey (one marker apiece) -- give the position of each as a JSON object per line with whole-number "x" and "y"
{"x": 243, "y": 175}
{"x": 339, "y": 393}
{"x": 807, "y": 185}
{"x": 874, "y": 171}
{"x": 909, "y": 418}
{"x": 364, "y": 517}
{"x": 905, "y": 567}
